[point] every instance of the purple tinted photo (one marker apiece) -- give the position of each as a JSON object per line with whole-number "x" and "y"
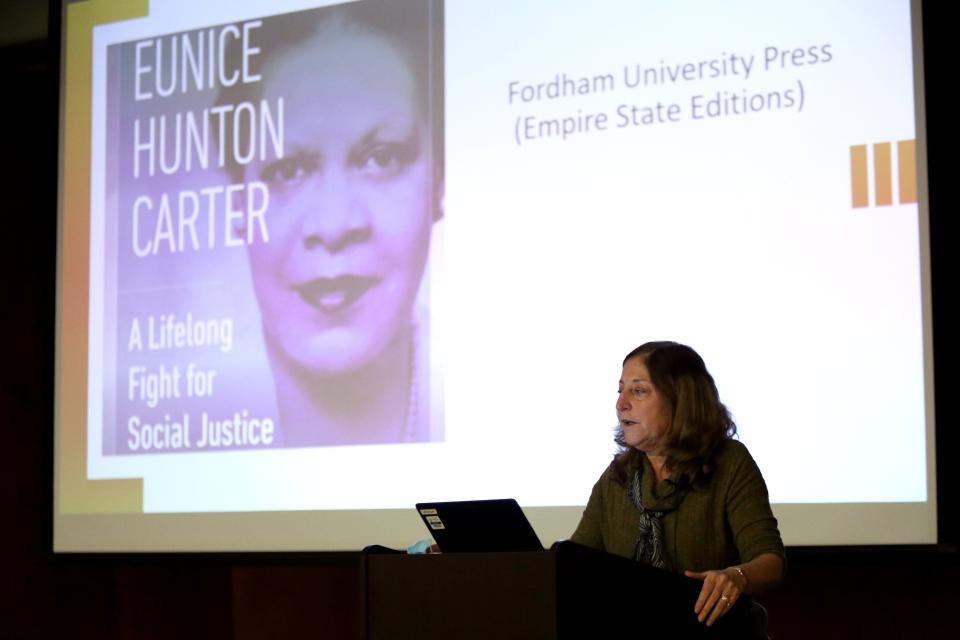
{"x": 267, "y": 246}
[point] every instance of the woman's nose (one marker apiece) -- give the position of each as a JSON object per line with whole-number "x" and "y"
{"x": 622, "y": 402}
{"x": 337, "y": 217}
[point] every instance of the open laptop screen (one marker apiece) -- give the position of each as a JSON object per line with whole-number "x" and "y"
{"x": 479, "y": 525}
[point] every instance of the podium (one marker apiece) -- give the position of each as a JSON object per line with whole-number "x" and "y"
{"x": 568, "y": 592}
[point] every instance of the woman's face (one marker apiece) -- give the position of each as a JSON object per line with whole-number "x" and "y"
{"x": 642, "y": 412}
{"x": 351, "y": 203}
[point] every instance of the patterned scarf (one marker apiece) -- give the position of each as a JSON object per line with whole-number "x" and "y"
{"x": 649, "y": 547}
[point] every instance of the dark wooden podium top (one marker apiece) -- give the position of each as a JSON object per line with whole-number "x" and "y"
{"x": 569, "y": 591}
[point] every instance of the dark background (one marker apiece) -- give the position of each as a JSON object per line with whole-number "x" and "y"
{"x": 905, "y": 592}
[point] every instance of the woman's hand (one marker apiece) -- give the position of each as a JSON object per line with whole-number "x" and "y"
{"x": 721, "y": 588}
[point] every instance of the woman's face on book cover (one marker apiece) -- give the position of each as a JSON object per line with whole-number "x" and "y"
{"x": 351, "y": 202}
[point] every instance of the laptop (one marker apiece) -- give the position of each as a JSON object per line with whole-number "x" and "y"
{"x": 479, "y": 526}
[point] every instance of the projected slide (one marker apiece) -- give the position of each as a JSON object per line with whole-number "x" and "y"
{"x": 355, "y": 256}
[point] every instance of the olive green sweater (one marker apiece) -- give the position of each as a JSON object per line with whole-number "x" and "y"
{"x": 725, "y": 522}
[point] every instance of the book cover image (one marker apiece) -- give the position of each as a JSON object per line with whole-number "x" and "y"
{"x": 271, "y": 189}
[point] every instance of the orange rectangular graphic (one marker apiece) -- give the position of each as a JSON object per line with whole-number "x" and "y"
{"x": 858, "y": 175}
{"x": 907, "y": 170}
{"x": 882, "y": 174}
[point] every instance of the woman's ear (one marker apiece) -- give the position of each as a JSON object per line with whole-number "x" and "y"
{"x": 438, "y": 195}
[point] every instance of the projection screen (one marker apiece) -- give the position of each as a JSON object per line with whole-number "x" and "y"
{"x": 319, "y": 263}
